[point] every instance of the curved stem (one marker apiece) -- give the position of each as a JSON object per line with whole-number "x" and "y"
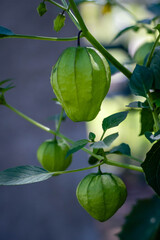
{"x": 41, "y": 37}
{"x": 73, "y": 18}
{"x": 152, "y": 51}
{"x": 128, "y": 156}
{"x": 123, "y": 165}
{"x": 126, "y": 10}
{"x": 60, "y": 120}
{"x": 56, "y": 4}
{"x": 78, "y": 170}
{"x": 96, "y": 44}
{"x": 100, "y": 158}
{"x": 154, "y": 112}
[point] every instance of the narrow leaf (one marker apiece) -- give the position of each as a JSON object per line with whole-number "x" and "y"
{"x": 141, "y": 80}
{"x": 123, "y": 148}
{"x": 5, "y": 32}
{"x": 155, "y": 67}
{"x": 137, "y": 104}
{"x": 143, "y": 222}
{"x": 77, "y": 146}
{"x": 142, "y": 52}
{"x": 151, "y": 167}
{"x": 113, "y": 120}
{"x": 145, "y": 21}
{"x": 109, "y": 139}
{"x": 98, "y": 145}
{"x": 134, "y": 27}
{"x": 23, "y": 175}
{"x": 146, "y": 120}
{"x": 152, "y": 137}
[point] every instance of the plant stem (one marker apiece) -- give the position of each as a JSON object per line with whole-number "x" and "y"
{"x": 41, "y": 37}
{"x": 154, "y": 112}
{"x": 78, "y": 170}
{"x": 152, "y": 51}
{"x": 100, "y": 158}
{"x": 126, "y": 10}
{"x": 56, "y": 4}
{"x": 96, "y": 44}
{"x": 128, "y": 166}
{"x": 60, "y": 120}
{"x": 73, "y": 18}
{"x": 125, "y": 155}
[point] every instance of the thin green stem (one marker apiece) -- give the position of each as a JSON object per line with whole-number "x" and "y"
{"x": 123, "y": 165}
{"x": 41, "y": 37}
{"x": 126, "y": 10}
{"x": 154, "y": 112}
{"x": 152, "y": 51}
{"x": 56, "y": 4}
{"x": 100, "y": 158}
{"x": 96, "y": 44}
{"x": 60, "y": 120}
{"x": 71, "y": 15}
{"x": 78, "y": 170}
{"x": 128, "y": 156}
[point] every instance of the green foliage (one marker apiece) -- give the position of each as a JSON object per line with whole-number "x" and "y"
{"x": 59, "y": 22}
{"x": 123, "y": 148}
{"x": 41, "y": 9}
{"x": 23, "y": 175}
{"x": 146, "y": 120}
{"x": 5, "y": 32}
{"x": 155, "y": 67}
{"x": 143, "y": 222}
{"x": 92, "y": 136}
{"x": 151, "y": 167}
{"x": 113, "y": 120}
{"x": 76, "y": 146}
{"x": 107, "y": 141}
{"x": 141, "y": 81}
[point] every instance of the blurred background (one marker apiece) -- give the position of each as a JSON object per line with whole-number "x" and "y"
{"x": 49, "y": 210}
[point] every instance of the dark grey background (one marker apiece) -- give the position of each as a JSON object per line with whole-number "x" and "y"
{"x": 47, "y": 210}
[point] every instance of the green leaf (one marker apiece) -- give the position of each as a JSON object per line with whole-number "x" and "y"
{"x": 92, "y": 160}
{"x": 113, "y": 120}
{"x": 59, "y": 22}
{"x": 123, "y": 148}
{"x": 155, "y": 67}
{"x": 145, "y": 21}
{"x": 143, "y": 222}
{"x": 107, "y": 141}
{"x": 146, "y": 120}
{"x": 41, "y": 9}
{"x": 142, "y": 52}
{"x": 137, "y": 104}
{"x": 157, "y": 27}
{"x": 92, "y": 136}
{"x": 5, "y": 32}
{"x": 77, "y": 146}
{"x": 8, "y": 87}
{"x": 141, "y": 80}
{"x": 23, "y": 175}
{"x": 134, "y": 28}
{"x": 152, "y": 137}
{"x": 151, "y": 167}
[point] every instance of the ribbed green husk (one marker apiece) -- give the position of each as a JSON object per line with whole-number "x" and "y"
{"x": 101, "y": 195}
{"x": 52, "y": 155}
{"x": 80, "y": 80}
